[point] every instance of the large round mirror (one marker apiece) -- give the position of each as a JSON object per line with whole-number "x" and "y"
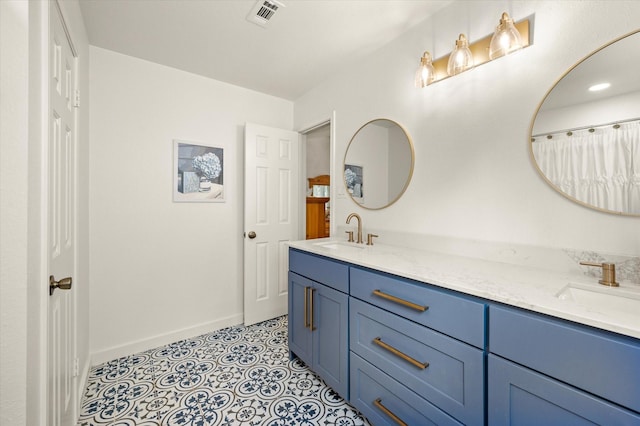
{"x": 378, "y": 164}
{"x": 586, "y": 133}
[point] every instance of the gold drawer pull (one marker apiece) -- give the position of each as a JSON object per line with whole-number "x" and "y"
{"x": 306, "y": 307}
{"x": 378, "y": 403}
{"x": 311, "y": 326}
{"x": 400, "y": 301}
{"x": 420, "y": 365}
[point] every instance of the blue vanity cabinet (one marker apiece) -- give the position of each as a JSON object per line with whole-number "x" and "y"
{"x": 543, "y": 370}
{"x": 403, "y": 369}
{"x": 318, "y": 317}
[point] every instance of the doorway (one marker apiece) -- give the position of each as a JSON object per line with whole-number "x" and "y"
{"x": 318, "y": 182}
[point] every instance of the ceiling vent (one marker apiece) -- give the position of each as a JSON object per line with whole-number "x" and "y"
{"x": 263, "y": 11}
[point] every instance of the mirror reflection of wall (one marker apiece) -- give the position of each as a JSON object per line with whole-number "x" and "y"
{"x": 585, "y": 142}
{"x": 318, "y": 151}
{"x": 400, "y": 158}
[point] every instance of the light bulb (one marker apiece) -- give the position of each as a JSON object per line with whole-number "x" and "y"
{"x": 461, "y": 58}
{"x": 506, "y": 39}
{"x": 425, "y": 73}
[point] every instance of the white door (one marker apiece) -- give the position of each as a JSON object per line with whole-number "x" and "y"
{"x": 61, "y": 224}
{"x": 270, "y": 218}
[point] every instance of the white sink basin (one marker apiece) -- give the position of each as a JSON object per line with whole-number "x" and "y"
{"x": 339, "y": 245}
{"x": 620, "y": 306}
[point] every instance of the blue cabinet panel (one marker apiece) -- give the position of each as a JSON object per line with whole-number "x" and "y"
{"x": 368, "y": 384}
{"x": 601, "y": 363}
{"x": 299, "y": 334}
{"x": 453, "y": 379}
{"x": 320, "y": 269}
{"x": 448, "y": 312}
{"x": 518, "y": 396}
{"x": 318, "y": 318}
{"x": 331, "y": 337}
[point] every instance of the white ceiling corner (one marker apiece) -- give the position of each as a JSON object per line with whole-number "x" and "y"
{"x": 302, "y": 44}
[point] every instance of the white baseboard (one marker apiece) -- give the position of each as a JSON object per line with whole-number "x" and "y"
{"x": 163, "y": 339}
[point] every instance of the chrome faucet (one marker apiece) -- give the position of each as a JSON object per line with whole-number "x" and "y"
{"x": 359, "y": 241}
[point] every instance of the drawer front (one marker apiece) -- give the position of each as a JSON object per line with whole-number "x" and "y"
{"x": 602, "y": 363}
{"x": 448, "y": 313}
{"x": 369, "y": 385}
{"x": 328, "y": 272}
{"x": 444, "y": 371}
{"x": 519, "y": 396}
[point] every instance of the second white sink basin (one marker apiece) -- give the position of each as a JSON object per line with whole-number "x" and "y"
{"x": 339, "y": 245}
{"x": 622, "y": 307}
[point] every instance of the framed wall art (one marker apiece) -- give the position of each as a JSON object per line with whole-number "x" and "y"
{"x": 198, "y": 173}
{"x": 353, "y": 177}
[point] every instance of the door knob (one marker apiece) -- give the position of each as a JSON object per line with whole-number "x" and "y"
{"x": 252, "y": 235}
{"x": 63, "y": 284}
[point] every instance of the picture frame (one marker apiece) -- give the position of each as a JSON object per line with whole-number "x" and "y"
{"x": 198, "y": 173}
{"x": 354, "y": 181}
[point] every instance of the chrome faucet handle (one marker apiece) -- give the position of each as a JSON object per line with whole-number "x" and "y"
{"x": 370, "y": 238}
{"x": 350, "y": 234}
{"x": 608, "y": 272}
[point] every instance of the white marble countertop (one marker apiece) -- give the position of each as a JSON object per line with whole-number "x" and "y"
{"x": 535, "y": 289}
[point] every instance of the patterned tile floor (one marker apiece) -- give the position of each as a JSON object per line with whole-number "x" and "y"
{"x": 235, "y": 376}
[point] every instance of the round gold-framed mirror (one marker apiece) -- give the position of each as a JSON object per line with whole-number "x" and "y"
{"x": 585, "y": 134}
{"x": 381, "y": 156}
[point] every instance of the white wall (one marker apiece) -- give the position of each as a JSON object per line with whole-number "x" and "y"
{"x": 473, "y": 174}
{"x": 14, "y": 108}
{"x": 162, "y": 271}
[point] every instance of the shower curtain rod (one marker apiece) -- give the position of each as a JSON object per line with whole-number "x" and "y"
{"x": 586, "y": 127}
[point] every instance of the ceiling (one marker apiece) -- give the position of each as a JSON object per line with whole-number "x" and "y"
{"x": 616, "y": 64}
{"x": 302, "y": 44}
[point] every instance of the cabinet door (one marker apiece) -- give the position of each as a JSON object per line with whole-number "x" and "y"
{"x": 330, "y": 337}
{"x": 299, "y": 334}
{"x": 519, "y": 396}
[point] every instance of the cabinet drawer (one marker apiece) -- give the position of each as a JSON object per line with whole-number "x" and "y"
{"x": 602, "y": 363}
{"x": 447, "y": 312}
{"x": 444, "y": 371}
{"x": 519, "y": 396}
{"x": 320, "y": 269}
{"x": 368, "y": 384}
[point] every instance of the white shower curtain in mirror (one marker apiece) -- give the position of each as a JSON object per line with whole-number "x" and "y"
{"x": 601, "y": 168}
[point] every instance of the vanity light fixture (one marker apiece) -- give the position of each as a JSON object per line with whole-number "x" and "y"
{"x": 425, "y": 73}
{"x": 468, "y": 55}
{"x": 461, "y": 59}
{"x": 506, "y": 39}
